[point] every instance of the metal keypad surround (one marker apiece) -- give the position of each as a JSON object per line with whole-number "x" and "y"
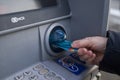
{"x": 36, "y": 72}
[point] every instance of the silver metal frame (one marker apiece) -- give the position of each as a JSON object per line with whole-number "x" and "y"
{"x": 47, "y": 34}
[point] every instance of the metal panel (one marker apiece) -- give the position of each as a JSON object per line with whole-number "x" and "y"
{"x": 89, "y": 17}
{"x": 18, "y": 50}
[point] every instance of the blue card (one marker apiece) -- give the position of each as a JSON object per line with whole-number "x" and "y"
{"x": 66, "y": 45}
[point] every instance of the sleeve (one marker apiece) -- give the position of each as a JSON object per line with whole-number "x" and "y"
{"x": 111, "y": 60}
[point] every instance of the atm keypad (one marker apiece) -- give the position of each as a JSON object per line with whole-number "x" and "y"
{"x": 38, "y": 67}
{"x": 28, "y": 73}
{"x": 57, "y": 78}
{"x": 33, "y": 77}
{"x": 38, "y": 72}
{"x": 49, "y": 75}
{"x": 19, "y": 77}
{"x": 43, "y": 71}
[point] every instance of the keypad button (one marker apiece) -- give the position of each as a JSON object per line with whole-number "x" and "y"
{"x": 49, "y": 75}
{"x": 43, "y": 71}
{"x": 57, "y": 78}
{"x": 19, "y": 77}
{"x": 28, "y": 73}
{"x": 38, "y": 67}
{"x": 33, "y": 77}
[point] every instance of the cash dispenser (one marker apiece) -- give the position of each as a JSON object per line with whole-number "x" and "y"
{"x": 33, "y": 34}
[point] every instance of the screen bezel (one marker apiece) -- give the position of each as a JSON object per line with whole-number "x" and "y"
{"x": 35, "y": 16}
{"x": 31, "y": 5}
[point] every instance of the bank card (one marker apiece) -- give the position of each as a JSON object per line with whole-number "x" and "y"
{"x": 66, "y": 45}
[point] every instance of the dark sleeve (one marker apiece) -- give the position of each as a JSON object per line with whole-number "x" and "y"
{"x": 111, "y": 60}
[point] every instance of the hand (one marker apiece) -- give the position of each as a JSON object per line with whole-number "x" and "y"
{"x": 91, "y": 49}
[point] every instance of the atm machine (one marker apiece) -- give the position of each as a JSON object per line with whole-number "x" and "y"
{"x": 27, "y": 28}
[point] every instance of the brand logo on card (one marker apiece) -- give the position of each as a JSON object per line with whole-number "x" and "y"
{"x": 17, "y": 19}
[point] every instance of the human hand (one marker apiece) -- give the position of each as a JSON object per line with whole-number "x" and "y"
{"x": 91, "y": 49}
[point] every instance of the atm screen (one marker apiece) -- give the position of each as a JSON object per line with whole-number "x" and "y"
{"x": 12, "y": 6}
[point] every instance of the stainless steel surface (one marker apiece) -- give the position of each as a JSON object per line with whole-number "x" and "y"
{"x": 114, "y": 15}
{"x": 33, "y": 42}
{"x": 34, "y": 24}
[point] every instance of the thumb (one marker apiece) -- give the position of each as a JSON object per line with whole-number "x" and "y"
{"x": 83, "y": 43}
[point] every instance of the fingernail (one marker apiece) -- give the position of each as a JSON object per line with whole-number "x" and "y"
{"x": 74, "y": 44}
{"x": 80, "y": 52}
{"x": 84, "y": 49}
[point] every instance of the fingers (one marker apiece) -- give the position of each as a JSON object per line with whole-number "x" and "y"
{"x": 82, "y": 43}
{"x": 86, "y": 55}
{"x": 86, "y": 47}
